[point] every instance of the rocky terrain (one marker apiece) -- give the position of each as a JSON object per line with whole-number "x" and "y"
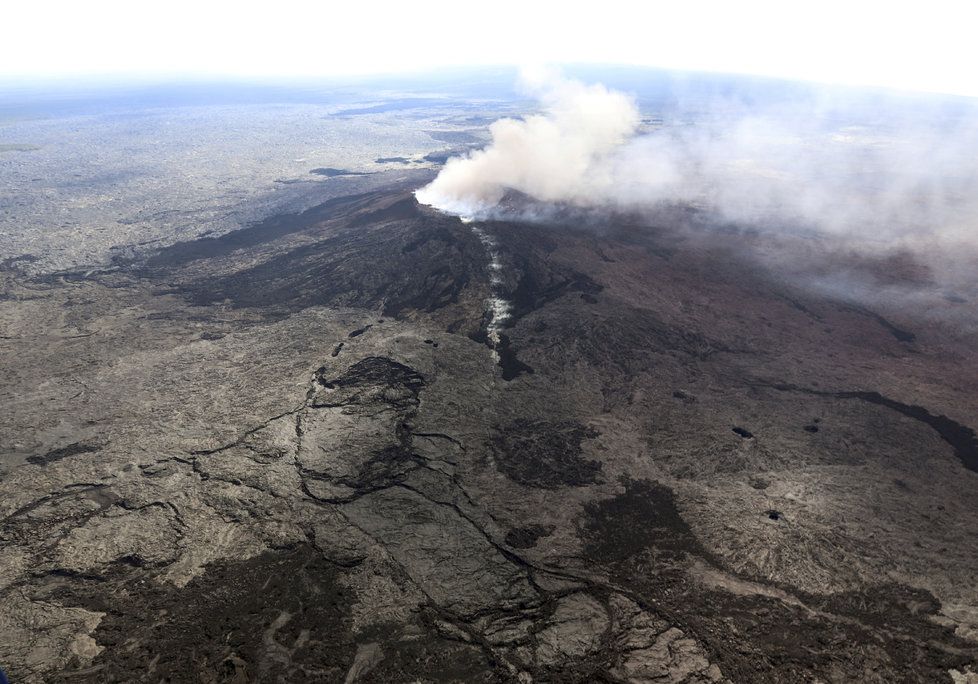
{"x": 87, "y": 184}
{"x": 294, "y": 452}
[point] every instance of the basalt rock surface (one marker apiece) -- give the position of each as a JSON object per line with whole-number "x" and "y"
{"x": 293, "y": 453}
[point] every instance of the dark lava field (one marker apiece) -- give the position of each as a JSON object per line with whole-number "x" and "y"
{"x": 306, "y": 450}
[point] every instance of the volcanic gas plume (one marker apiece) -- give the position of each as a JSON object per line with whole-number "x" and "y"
{"x": 560, "y": 154}
{"x": 863, "y": 173}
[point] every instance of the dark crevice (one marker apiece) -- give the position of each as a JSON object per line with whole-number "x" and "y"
{"x": 54, "y": 455}
{"x": 962, "y": 439}
{"x": 745, "y": 434}
{"x": 898, "y": 333}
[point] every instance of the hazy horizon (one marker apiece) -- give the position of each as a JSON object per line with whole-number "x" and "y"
{"x": 873, "y": 44}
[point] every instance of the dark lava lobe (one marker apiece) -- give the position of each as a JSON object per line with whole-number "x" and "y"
{"x": 255, "y": 235}
{"x": 377, "y": 370}
{"x": 511, "y": 366}
{"x": 430, "y": 658}
{"x": 527, "y": 537}
{"x": 644, "y": 516}
{"x": 881, "y": 634}
{"x": 281, "y": 616}
{"x": 377, "y": 250}
{"x": 332, "y": 173}
{"x": 545, "y": 455}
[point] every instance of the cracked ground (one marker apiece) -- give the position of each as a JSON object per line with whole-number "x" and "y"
{"x": 293, "y": 453}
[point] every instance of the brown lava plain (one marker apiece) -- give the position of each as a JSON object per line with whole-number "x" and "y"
{"x": 293, "y": 453}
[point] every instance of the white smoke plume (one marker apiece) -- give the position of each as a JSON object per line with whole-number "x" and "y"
{"x": 558, "y": 155}
{"x": 863, "y": 173}
{"x": 807, "y": 164}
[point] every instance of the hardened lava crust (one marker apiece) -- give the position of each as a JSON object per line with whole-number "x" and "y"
{"x": 295, "y": 452}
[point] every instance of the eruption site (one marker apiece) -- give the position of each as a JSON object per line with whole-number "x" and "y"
{"x": 871, "y": 198}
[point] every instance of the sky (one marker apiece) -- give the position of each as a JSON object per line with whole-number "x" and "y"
{"x": 925, "y": 46}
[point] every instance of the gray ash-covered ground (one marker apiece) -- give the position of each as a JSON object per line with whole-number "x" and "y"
{"x": 289, "y": 453}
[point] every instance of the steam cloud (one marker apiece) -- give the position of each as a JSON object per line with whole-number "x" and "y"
{"x": 558, "y": 155}
{"x": 869, "y": 173}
